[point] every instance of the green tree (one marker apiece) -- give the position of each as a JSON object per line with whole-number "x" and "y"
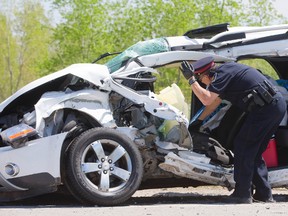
{"x": 25, "y": 31}
{"x": 92, "y": 27}
{"x": 83, "y": 35}
{"x": 261, "y": 13}
{"x": 7, "y": 57}
{"x": 211, "y": 12}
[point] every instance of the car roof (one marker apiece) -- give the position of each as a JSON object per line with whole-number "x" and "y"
{"x": 221, "y": 41}
{"x": 221, "y": 35}
{"x": 267, "y": 42}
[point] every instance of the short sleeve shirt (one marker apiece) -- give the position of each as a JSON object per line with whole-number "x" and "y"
{"x": 233, "y": 81}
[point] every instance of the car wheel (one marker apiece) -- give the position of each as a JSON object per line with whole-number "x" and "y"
{"x": 103, "y": 167}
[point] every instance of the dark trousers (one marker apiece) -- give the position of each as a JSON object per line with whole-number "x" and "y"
{"x": 250, "y": 143}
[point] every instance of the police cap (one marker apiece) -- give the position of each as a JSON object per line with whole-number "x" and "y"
{"x": 203, "y": 65}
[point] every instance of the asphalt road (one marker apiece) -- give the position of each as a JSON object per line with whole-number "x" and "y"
{"x": 206, "y": 200}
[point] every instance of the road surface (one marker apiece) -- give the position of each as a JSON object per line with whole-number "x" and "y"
{"x": 204, "y": 200}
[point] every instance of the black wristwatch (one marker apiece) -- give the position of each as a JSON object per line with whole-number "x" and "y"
{"x": 191, "y": 80}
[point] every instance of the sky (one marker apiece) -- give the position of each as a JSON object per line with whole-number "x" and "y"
{"x": 282, "y": 7}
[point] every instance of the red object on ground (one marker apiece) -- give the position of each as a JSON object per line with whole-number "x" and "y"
{"x": 270, "y": 154}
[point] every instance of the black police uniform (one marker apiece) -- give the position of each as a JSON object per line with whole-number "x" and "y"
{"x": 245, "y": 87}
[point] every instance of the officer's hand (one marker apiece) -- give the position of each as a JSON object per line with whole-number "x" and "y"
{"x": 195, "y": 125}
{"x": 187, "y": 70}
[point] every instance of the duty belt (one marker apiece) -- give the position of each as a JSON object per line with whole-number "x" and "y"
{"x": 259, "y": 96}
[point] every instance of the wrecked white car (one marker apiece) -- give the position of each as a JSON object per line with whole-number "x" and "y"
{"x": 102, "y": 131}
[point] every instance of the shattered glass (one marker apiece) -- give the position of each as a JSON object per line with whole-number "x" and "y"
{"x": 141, "y": 48}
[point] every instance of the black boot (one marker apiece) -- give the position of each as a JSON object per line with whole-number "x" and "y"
{"x": 234, "y": 198}
{"x": 267, "y": 199}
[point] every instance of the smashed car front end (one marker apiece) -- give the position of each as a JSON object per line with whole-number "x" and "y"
{"x": 39, "y": 121}
{"x": 31, "y": 170}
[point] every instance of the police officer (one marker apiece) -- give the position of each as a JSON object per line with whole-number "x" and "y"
{"x": 249, "y": 90}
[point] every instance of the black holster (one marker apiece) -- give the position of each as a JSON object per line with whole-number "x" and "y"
{"x": 259, "y": 96}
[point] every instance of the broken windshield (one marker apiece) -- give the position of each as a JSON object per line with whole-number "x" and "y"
{"x": 139, "y": 49}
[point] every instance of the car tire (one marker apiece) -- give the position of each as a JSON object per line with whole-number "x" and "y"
{"x": 103, "y": 167}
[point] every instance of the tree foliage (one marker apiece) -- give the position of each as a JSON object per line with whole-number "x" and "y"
{"x": 24, "y": 35}
{"x": 7, "y": 60}
{"x": 92, "y": 27}
{"x": 261, "y": 13}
